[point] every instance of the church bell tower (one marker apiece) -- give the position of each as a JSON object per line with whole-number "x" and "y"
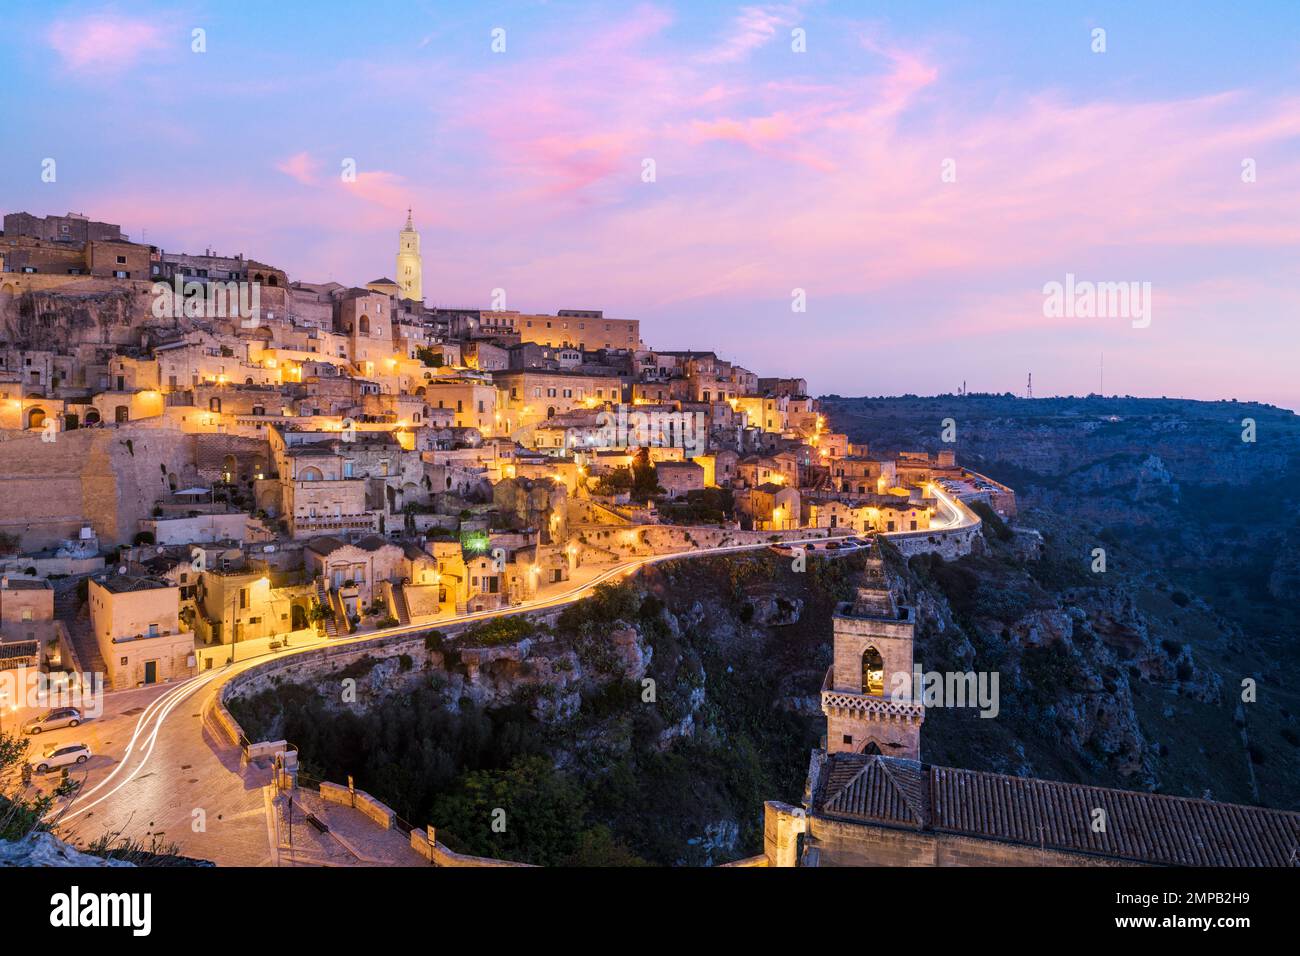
{"x": 409, "y": 280}
{"x": 868, "y": 697}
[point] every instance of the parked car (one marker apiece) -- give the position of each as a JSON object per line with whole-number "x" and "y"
{"x": 60, "y": 755}
{"x": 53, "y": 720}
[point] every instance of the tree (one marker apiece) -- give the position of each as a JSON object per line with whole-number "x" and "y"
{"x": 430, "y": 358}
{"x": 530, "y": 812}
{"x": 19, "y": 813}
{"x": 615, "y": 482}
{"x": 645, "y": 480}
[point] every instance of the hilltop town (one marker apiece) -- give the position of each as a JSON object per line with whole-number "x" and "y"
{"x": 223, "y": 477}
{"x": 210, "y": 459}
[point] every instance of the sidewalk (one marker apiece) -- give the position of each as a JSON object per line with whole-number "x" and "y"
{"x": 353, "y": 839}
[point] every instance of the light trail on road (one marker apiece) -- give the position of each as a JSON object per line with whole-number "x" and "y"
{"x": 151, "y": 722}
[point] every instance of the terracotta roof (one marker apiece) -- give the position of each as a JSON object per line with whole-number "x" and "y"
{"x": 326, "y": 544}
{"x": 888, "y": 792}
{"x": 1140, "y": 827}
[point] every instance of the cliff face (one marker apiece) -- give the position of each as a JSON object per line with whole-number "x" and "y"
{"x": 1073, "y": 668}
{"x": 1200, "y": 541}
{"x": 88, "y": 311}
{"x": 666, "y": 711}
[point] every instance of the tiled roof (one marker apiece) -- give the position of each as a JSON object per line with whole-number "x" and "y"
{"x": 1139, "y": 827}
{"x": 889, "y": 792}
{"x": 122, "y": 584}
{"x": 326, "y": 544}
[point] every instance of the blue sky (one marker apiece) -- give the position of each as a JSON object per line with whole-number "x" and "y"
{"x": 775, "y": 170}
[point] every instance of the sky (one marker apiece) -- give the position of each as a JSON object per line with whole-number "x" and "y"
{"x": 914, "y": 173}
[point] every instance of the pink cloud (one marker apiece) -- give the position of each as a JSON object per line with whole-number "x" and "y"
{"x": 103, "y": 42}
{"x": 829, "y": 182}
{"x": 300, "y": 166}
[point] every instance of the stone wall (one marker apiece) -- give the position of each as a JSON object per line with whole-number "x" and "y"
{"x": 425, "y": 843}
{"x": 840, "y": 843}
{"x": 379, "y": 812}
{"x": 108, "y": 478}
{"x": 949, "y": 544}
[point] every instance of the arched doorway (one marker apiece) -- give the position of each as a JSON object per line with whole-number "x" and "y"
{"x": 92, "y": 416}
{"x": 873, "y": 673}
{"x": 872, "y": 749}
{"x": 229, "y": 469}
{"x": 35, "y": 417}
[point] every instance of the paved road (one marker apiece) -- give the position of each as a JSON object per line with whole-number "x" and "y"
{"x": 161, "y": 771}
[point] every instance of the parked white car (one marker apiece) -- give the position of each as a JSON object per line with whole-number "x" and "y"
{"x": 60, "y": 755}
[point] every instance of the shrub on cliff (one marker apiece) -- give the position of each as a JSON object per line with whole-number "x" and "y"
{"x": 992, "y": 521}
{"x": 498, "y": 630}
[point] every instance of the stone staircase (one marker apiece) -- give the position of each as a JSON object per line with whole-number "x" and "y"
{"x": 331, "y": 625}
{"x": 399, "y": 601}
{"x": 76, "y": 619}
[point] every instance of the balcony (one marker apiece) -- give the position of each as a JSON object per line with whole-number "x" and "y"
{"x": 864, "y": 705}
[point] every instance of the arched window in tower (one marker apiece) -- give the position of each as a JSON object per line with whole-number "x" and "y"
{"x": 363, "y": 325}
{"x": 872, "y": 749}
{"x": 873, "y": 673}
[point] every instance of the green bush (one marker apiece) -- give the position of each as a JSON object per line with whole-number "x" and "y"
{"x": 498, "y": 630}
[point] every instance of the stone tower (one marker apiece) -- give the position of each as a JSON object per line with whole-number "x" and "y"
{"x": 409, "y": 280}
{"x": 867, "y": 695}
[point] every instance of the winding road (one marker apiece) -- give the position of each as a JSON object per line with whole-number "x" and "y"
{"x": 161, "y": 771}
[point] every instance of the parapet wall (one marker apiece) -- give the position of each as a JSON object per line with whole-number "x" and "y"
{"x": 948, "y": 543}
{"x": 359, "y": 799}
{"x": 425, "y": 843}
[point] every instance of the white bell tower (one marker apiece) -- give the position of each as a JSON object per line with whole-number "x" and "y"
{"x": 409, "y": 280}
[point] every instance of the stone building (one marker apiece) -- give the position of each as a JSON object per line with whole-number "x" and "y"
{"x": 678, "y": 478}
{"x": 589, "y": 330}
{"x": 24, "y": 601}
{"x": 533, "y": 396}
{"x": 873, "y": 810}
{"x": 870, "y": 801}
{"x": 769, "y": 507}
{"x": 74, "y": 227}
{"x": 136, "y": 622}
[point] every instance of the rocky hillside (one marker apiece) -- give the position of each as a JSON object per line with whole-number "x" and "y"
{"x": 646, "y": 724}
{"x": 649, "y": 723}
{"x": 1199, "y": 531}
